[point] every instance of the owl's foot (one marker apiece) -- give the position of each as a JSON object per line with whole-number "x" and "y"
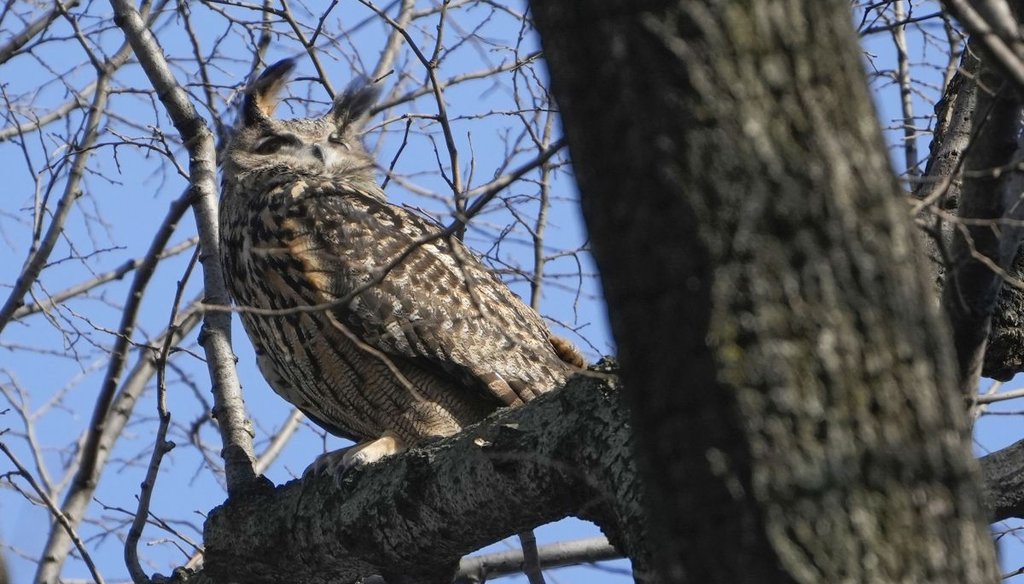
{"x": 337, "y": 462}
{"x": 567, "y": 351}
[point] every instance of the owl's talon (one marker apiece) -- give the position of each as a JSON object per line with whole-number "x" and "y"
{"x": 337, "y": 462}
{"x": 327, "y": 463}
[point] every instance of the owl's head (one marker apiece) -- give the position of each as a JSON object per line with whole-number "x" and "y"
{"x": 325, "y": 147}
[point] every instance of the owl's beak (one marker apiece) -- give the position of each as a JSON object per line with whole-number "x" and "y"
{"x": 326, "y": 154}
{"x": 320, "y": 153}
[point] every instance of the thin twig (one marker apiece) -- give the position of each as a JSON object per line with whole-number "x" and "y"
{"x": 57, "y": 514}
{"x": 39, "y": 256}
{"x": 998, "y": 397}
{"x": 437, "y": 88}
{"x": 281, "y": 438}
{"x": 1002, "y": 40}
{"x": 87, "y": 471}
{"x": 531, "y": 557}
{"x": 162, "y": 445}
{"x": 16, "y": 42}
{"x": 100, "y": 279}
{"x": 899, "y": 37}
{"x": 390, "y": 52}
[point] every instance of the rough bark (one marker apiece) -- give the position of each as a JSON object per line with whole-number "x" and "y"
{"x": 411, "y": 518}
{"x": 750, "y": 233}
{"x": 594, "y": 406}
{"x": 939, "y": 186}
{"x": 1004, "y": 482}
{"x": 957, "y": 113}
{"x": 939, "y": 192}
{"x": 1004, "y": 357}
{"x": 987, "y": 235}
{"x": 942, "y": 179}
{"x": 590, "y": 411}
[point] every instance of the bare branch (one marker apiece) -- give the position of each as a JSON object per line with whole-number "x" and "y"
{"x": 162, "y": 446}
{"x": 39, "y": 255}
{"x": 62, "y": 519}
{"x": 15, "y": 43}
{"x": 476, "y": 569}
{"x": 82, "y": 488}
{"x": 530, "y": 564}
{"x": 281, "y": 438}
{"x": 100, "y": 279}
{"x": 455, "y": 182}
{"x": 229, "y": 409}
{"x": 991, "y": 21}
{"x": 899, "y": 37}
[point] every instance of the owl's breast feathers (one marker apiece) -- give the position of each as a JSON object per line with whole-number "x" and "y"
{"x": 395, "y": 285}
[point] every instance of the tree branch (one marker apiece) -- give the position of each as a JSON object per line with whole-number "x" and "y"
{"x": 52, "y": 301}
{"x": 412, "y": 518}
{"x": 80, "y": 494}
{"x": 567, "y": 453}
{"x": 992, "y": 22}
{"x": 229, "y": 408}
{"x": 475, "y": 569}
{"x": 972, "y": 287}
{"x": 1003, "y": 472}
{"x": 41, "y": 253}
{"x": 15, "y": 43}
{"x": 62, "y": 520}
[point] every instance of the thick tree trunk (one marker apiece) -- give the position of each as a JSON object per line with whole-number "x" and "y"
{"x": 752, "y": 240}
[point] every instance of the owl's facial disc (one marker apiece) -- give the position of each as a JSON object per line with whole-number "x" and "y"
{"x": 321, "y": 154}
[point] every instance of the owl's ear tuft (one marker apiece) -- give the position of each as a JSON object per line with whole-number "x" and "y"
{"x": 261, "y": 97}
{"x": 354, "y": 104}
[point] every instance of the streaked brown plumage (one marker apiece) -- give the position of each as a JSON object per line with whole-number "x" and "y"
{"x": 421, "y": 338}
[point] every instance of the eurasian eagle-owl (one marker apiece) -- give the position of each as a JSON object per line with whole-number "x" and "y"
{"x": 381, "y": 328}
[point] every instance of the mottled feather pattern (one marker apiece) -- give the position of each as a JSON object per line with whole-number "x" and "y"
{"x": 449, "y": 325}
{"x": 432, "y": 340}
{"x": 437, "y": 305}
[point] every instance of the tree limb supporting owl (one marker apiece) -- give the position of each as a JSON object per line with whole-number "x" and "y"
{"x": 567, "y": 453}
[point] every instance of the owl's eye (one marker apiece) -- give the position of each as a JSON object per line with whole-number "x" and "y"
{"x": 275, "y": 142}
{"x": 337, "y": 140}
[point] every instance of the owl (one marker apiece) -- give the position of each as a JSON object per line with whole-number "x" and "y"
{"x": 374, "y": 322}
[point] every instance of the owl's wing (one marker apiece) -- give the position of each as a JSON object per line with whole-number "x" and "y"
{"x": 406, "y": 292}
